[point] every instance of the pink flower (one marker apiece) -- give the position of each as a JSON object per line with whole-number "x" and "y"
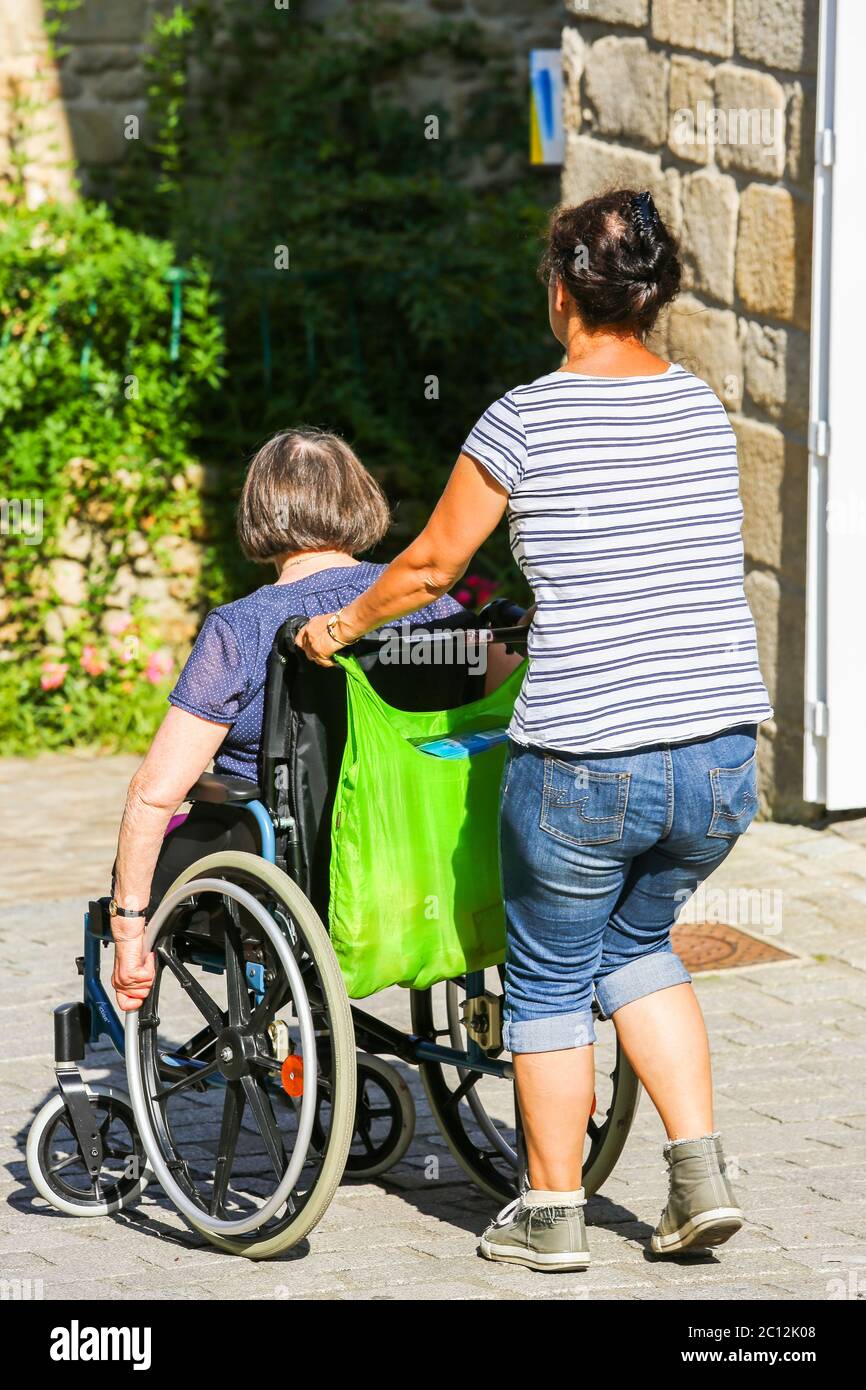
{"x": 476, "y": 591}
{"x": 116, "y": 623}
{"x": 484, "y": 588}
{"x": 53, "y": 675}
{"x": 159, "y": 665}
{"x": 92, "y": 661}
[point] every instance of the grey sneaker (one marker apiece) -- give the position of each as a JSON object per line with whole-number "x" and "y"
{"x": 702, "y": 1209}
{"x": 541, "y": 1230}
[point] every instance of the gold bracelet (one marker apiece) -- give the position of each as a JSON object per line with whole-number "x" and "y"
{"x": 331, "y": 624}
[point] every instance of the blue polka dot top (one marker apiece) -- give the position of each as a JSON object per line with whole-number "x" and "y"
{"x": 224, "y": 676}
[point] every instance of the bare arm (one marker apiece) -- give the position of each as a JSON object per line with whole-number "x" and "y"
{"x": 469, "y": 509}
{"x": 181, "y": 750}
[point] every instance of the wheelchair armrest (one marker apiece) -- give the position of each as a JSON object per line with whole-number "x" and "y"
{"x": 223, "y": 790}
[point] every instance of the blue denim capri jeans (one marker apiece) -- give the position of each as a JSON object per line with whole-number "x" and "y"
{"x": 599, "y": 853}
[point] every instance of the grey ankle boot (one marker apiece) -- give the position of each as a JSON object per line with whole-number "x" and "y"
{"x": 702, "y": 1209}
{"x": 541, "y": 1230}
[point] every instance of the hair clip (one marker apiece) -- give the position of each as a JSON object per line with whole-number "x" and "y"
{"x": 644, "y": 212}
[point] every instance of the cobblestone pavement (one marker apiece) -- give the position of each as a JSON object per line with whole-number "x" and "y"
{"x": 788, "y": 1045}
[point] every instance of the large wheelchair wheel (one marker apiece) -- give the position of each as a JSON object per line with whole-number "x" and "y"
{"x": 476, "y": 1113}
{"x": 246, "y": 1030}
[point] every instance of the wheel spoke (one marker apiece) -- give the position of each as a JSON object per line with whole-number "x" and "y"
{"x": 193, "y": 1079}
{"x": 362, "y": 1117}
{"x": 266, "y": 1121}
{"x": 206, "y": 1006}
{"x": 366, "y": 1139}
{"x": 269, "y": 1063}
{"x": 111, "y": 1152}
{"x": 470, "y": 1079}
{"x": 236, "y": 985}
{"x": 233, "y": 1110}
{"x": 65, "y": 1162}
{"x": 195, "y": 1047}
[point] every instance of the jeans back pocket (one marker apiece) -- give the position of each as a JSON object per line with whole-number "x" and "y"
{"x": 735, "y": 798}
{"x": 582, "y": 805}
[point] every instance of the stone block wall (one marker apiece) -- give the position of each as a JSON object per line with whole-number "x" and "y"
{"x": 29, "y": 78}
{"x": 83, "y": 99}
{"x": 711, "y": 105}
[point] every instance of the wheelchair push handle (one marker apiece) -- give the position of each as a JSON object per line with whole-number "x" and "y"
{"x": 501, "y": 613}
{"x": 505, "y": 621}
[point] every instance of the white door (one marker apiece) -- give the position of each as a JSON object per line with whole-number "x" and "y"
{"x": 835, "y": 739}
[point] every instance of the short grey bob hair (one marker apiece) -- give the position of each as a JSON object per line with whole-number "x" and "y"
{"x": 307, "y": 490}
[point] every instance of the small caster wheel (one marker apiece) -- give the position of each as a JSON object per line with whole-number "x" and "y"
{"x": 56, "y": 1165}
{"x": 384, "y": 1118}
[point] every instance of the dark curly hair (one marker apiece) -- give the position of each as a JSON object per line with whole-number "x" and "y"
{"x": 616, "y": 258}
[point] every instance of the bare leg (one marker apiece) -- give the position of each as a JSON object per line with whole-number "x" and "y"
{"x": 665, "y": 1039}
{"x": 555, "y": 1091}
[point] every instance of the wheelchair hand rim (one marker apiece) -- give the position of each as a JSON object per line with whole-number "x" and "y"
{"x": 137, "y": 1090}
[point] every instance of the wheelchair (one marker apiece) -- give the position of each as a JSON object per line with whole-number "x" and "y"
{"x": 254, "y": 1083}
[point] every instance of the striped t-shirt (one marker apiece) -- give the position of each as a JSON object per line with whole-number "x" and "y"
{"x": 624, "y": 515}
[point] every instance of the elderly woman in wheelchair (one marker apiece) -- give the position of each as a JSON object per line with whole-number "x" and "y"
{"x": 329, "y": 855}
{"x": 308, "y": 507}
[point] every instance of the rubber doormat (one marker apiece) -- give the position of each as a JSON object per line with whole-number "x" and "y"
{"x": 717, "y": 946}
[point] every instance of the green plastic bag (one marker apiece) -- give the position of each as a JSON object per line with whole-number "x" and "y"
{"x": 415, "y": 894}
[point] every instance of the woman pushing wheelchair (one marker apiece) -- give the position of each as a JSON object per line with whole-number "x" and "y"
{"x": 632, "y": 763}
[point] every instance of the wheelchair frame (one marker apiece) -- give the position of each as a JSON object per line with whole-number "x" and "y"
{"x": 85, "y": 1023}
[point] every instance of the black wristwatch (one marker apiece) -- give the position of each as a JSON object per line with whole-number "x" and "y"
{"x": 115, "y": 911}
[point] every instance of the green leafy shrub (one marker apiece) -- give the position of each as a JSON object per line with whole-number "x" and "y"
{"x": 101, "y": 402}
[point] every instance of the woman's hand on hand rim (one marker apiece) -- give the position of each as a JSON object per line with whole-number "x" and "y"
{"x": 133, "y": 974}
{"x": 316, "y": 642}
